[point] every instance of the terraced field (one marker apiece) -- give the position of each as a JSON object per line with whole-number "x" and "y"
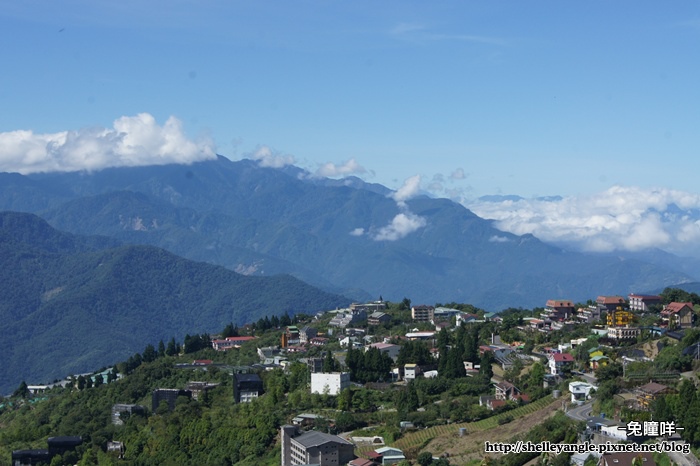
{"x": 445, "y": 439}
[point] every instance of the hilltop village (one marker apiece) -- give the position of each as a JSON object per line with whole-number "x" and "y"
{"x": 383, "y": 383}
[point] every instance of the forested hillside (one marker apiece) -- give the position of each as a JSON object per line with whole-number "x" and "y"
{"x": 70, "y": 304}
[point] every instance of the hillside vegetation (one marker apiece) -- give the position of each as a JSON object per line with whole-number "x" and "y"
{"x": 70, "y": 304}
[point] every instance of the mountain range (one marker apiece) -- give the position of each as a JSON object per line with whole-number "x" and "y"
{"x": 266, "y": 221}
{"x": 70, "y": 304}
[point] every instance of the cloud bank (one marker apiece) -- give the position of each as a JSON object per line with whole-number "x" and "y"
{"x": 132, "y": 141}
{"x": 618, "y": 219}
{"x": 350, "y": 167}
{"x": 266, "y": 157}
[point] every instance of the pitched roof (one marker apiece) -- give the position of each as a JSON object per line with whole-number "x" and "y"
{"x": 361, "y": 462}
{"x": 314, "y": 438}
{"x": 610, "y": 300}
{"x": 676, "y": 307}
{"x": 653, "y": 388}
{"x": 562, "y": 357}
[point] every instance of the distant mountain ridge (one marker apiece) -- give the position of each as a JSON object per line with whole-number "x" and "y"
{"x": 264, "y": 221}
{"x": 70, "y": 304}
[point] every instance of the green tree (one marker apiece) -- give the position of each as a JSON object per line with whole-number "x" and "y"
{"x": 330, "y": 364}
{"x": 149, "y": 354}
{"x": 536, "y": 375}
{"x": 425, "y": 458}
{"x": 22, "y": 391}
{"x": 172, "y": 348}
{"x": 485, "y": 368}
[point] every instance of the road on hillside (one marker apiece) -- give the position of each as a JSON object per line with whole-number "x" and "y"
{"x": 580, "y": 413}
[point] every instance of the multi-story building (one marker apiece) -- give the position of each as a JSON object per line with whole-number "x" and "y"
{"x": 422, "y": 313}
{"x": 331, "y": 383}
{"x": 623, "y": 333}
{"x": 619, "y": 318}
{"x": 610, "y": 303}
{"x": 389, "y": 348}
{"x": 314, "y": 447}
{"x": 199, "y": 388}
{"x": 348, "y": 317}
{"x": 558, "y": 310}
{"x": 127, "y": 409}
{"x": 559, "y": 362}
{"x": 368, "y": 307}
{"x": 641, "y": 302}
{"x": 378, "y": 318}
{"x": 588, "y": 314}
{"x": 247, "y": 387}
{"x": 306, "y": 333}
{"x": 169, "y": 395}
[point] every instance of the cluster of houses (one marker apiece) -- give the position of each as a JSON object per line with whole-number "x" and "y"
{"x": 621, "y": 315}
{"x": 351, "y": 326}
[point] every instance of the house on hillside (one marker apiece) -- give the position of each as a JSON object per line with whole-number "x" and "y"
{"x": 588, "y": 314}
{"x": 169, "y": 396}
{"x": 390, "y": 349}
{"x": 307, "y": 333}
{"x": 331, "y": 383}
{"x": 647, "y": 394}
{"x": 423, "y": 313}
{"x": 247, "y": 387}
{"x": 230, "y": 343}
{"x": 678, "y": 315}
{"x": 560, "y": 362}
{"x": 642, "y": 302}
{"x": 558, "y": 310}
{"x": 387, "y": 455}
{"x": 623, "y": 333}
{"x": 610, "y": 303}
{"x": 506, "y": 391}
{"x": 314, "y": 447}
{"x": 598, "y": 361}
{"x": 378, "y": 318}
{"x": 580, "y": 392}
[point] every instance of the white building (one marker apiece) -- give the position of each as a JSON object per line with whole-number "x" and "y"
{"x": 331, "y": 383}
{"x": 580, "y": 392}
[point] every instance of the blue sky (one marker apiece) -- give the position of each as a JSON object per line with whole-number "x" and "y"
{"x": 530, "y": 98}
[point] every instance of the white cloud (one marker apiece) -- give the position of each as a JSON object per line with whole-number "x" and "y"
{"x": 357, "y": 232}
{"x": 620, "y": 218}
{"x": 349, "y": 167}
{"x": 405, "y": 222}
{"x": 133, "y": 141}
{"x": 266, "y": 157}
{"x": 458, "y": 174}
{"x": 498, "y": 239}
{"x": 409, "y": 189}
{"x": 402, "y": 225}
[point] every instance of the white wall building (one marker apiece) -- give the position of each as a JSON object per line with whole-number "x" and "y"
{"x": 580, "y": 391}
{"x": 331, "y": 383}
